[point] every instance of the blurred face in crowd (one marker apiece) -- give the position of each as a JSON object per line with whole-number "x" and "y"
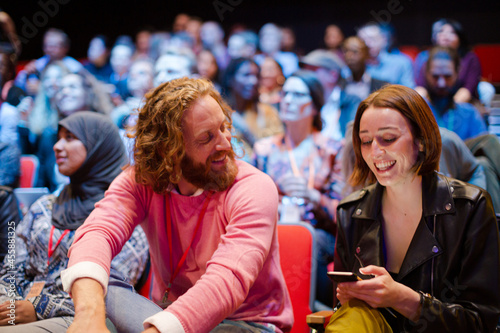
{"x": 447, "y": 37}
{"x": 140, "y": 78}
{"x": 52, "y": 80}
{"x": 193, "y": 28}
{"x": 246, "y": 81}
{"x": 356, "y": 54}
{"x": 327, "y": 77}
{"x": 296, "y": 103}
{"x": 373, "y": 38}
{"x": 70, "y": 152}
{"x": 235, "y": 46}
{"x": 441, "y": 77}
{"x": 53, "y": 46}
{"x": 72, "y": 96}
{"x": 142, "y": 41}
{"x": 271, "y": 75}
{"x": 32, "y": 84}
{"x": 169, "y": 67}
{"x": 121, "y": 59}
{"x": 287, "y": 39}
{"x": 270, "y": 39}
{"x": 180, "y": 22}
{"x": 211, "y": 34}
{"x": 207, "y": 65}
{"x": 333, "y": 37}
{"x": 97, "y": 52}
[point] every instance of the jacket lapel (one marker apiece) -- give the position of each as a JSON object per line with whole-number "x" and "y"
{"x": 437, "y": 199}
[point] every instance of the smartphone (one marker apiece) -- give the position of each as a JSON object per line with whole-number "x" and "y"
{"x": 343, "y": 276}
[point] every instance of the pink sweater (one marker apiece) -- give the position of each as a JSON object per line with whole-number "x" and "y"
{"x": 232, "y": 271}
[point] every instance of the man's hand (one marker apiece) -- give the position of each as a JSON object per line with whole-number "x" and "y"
{"x": 90, "y": 311}
{"x": 151, "y": 329}
{"x": 24, "y": 313}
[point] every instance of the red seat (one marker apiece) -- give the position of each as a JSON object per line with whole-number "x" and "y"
{"x": 297, "y": 246}
{"x": 145, "y": 289}
{"x": 29, "y": 170}
{"x": 489, "y": 56}
{"x": 410, "y": 50}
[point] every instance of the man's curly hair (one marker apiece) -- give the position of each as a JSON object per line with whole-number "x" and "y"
{"x": 159, "y": 140}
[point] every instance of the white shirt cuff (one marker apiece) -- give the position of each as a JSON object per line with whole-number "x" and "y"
{"x": 84, "y": 269}
{"x": 165, "y": 322}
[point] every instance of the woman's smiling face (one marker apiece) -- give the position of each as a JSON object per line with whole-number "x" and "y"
{"x": 388, "y": 146}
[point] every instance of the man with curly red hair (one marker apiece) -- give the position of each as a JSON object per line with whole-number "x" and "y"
{"x": 210, "y": 222}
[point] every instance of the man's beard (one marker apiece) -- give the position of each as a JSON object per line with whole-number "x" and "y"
{"x": 203, "y": 176}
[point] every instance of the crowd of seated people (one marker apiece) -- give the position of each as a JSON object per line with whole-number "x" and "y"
{"x": 291, "y": 109}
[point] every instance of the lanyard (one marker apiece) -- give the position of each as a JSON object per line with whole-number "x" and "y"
{"x": 293, "y": 164}
{"x": 52, "y": 249}
{"x": 175, "y": 272}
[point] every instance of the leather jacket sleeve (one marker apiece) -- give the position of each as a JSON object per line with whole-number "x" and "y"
{"x": 470, "y": 302}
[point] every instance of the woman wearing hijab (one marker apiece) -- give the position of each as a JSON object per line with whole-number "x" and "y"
{"x": 90, "y": 152}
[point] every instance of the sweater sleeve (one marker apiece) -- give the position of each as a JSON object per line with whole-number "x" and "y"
{"x": 107, "y": 228}
{"x": 250, "y": 208}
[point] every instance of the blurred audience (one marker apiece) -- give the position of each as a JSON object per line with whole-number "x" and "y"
{"x": 207, "y": 66}
{"x": 7, "y": 73}
{"x": 9, "y": 41}
{"x": 441, "y": 83}
{"x": 450, "y": 33}
{"x": 270, "y": 37}
{"x": 271, "y": 81}
{"x": 302, "y": 163}
{"x": 98, "y": 58}
{"x": 357, "y": 81}
{"x": 193, "y": 28}
{"x": 142, "y": 44}
{"x": 120, "y": 60}
{"x": 180, "y": 22}
{"x": 44, "y": 113}
{"x": 212, "y": 37}
{"x": 242, "y": 44}
{"x": 339, "y": 107}
{"x": 139, "y": 82}
{"x": 173, "y": 65}
{"x": 56, "y": 45}
{"x": 289, "y": 41}
{"x": 252, "y": 119}
{"x": 333, "y": 40}
{"x": 393, "y": 68}
{"x": 159, "y": 42}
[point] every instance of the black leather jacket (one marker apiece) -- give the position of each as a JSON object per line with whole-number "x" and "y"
{"x": 453, "y": 256}
{"x": 9, "y": 212}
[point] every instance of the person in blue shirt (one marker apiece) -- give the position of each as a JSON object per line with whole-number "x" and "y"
{"x": 441, "y": 83}
{"x": 382, "y": 65}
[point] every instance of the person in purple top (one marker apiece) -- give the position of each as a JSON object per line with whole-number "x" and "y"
{"x": 449, "y": 33}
